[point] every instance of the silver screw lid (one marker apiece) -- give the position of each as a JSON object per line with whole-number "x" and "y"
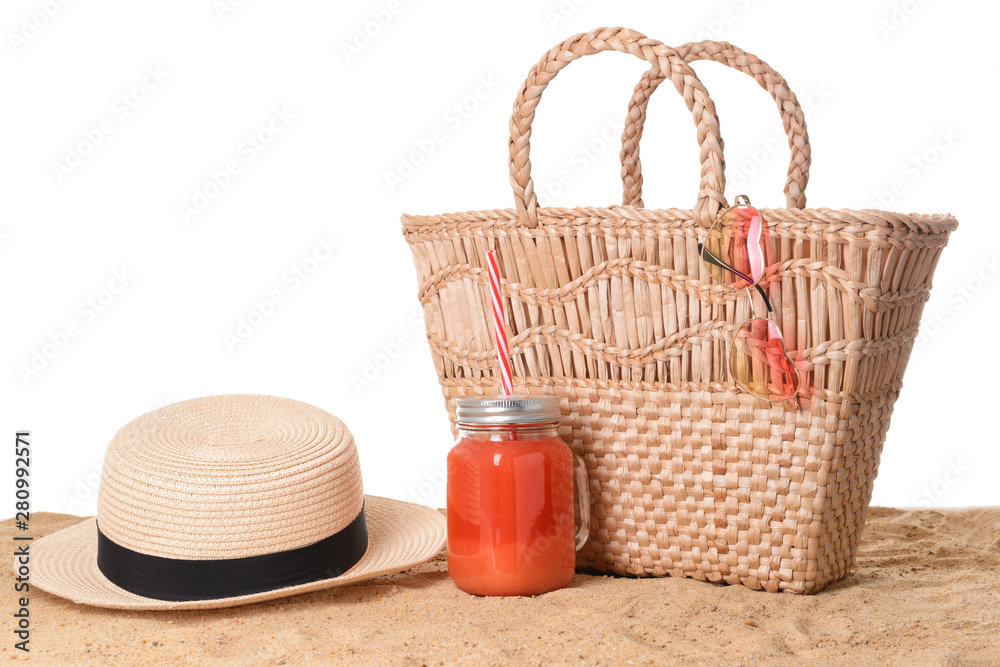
{"x": 489, "y": 410}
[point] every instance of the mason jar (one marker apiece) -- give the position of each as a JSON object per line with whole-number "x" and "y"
{"x": 518, "y": 507}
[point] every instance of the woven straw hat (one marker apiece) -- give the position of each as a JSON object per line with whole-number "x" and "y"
{"x": 230, "y": 500}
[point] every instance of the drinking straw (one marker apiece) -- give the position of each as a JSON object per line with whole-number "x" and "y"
{"x": 507, "y": 546}
{"x": 499, "y": 328}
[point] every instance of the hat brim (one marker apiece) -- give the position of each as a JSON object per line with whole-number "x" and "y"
{"x": 401, "y": 535}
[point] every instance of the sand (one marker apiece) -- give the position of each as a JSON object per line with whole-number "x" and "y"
{"x": 925, "y": 590}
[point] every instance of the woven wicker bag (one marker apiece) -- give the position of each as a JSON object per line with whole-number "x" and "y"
{"x": 612, "y": 310}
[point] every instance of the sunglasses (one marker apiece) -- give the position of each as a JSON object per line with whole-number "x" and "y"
{"x": 736, "y": 252}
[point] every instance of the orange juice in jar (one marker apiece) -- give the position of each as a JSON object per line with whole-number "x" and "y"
{"x": 513, "y": 513}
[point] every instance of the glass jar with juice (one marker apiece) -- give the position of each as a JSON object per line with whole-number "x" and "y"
{"x": 515, "y": 520}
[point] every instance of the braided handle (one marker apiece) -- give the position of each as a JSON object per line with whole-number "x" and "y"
{"x": 735, "y": 57}
{"x": 713, "y": 180}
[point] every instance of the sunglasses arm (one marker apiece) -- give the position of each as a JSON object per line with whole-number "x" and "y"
{"x": 709, "y": 257}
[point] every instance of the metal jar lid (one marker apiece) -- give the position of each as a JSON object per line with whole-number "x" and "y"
{"x": 489, "y": 410}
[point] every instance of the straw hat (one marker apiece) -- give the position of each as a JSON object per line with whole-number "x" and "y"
{"x": 231, "y": 500}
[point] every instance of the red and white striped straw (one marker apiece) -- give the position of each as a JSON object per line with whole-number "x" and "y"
{"x": 499, "y": 328}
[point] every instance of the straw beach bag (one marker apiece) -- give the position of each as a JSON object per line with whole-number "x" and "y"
{"x": 613, "y": 310}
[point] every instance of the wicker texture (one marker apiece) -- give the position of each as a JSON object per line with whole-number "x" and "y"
{"x": 612, "y": 310}
{"x": 727, "y": 54}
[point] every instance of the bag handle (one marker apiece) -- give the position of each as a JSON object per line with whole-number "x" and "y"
{"x": 735, "y": 57}
{"x": 713, "y": 180}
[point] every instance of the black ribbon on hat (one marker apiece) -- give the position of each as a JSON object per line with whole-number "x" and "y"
{"x": 179, "y": 580}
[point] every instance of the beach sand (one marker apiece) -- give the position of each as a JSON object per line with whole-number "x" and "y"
{"x": 925, "y": 590}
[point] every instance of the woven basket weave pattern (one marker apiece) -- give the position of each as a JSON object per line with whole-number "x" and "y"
{"x": 613, "y": 310}
{"x": 198, "y": 480}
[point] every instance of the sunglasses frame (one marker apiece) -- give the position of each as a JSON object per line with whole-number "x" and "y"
{"x": 791, "y": 402}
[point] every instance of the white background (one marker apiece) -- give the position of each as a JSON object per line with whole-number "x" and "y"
{"x": 883, "y": 82}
